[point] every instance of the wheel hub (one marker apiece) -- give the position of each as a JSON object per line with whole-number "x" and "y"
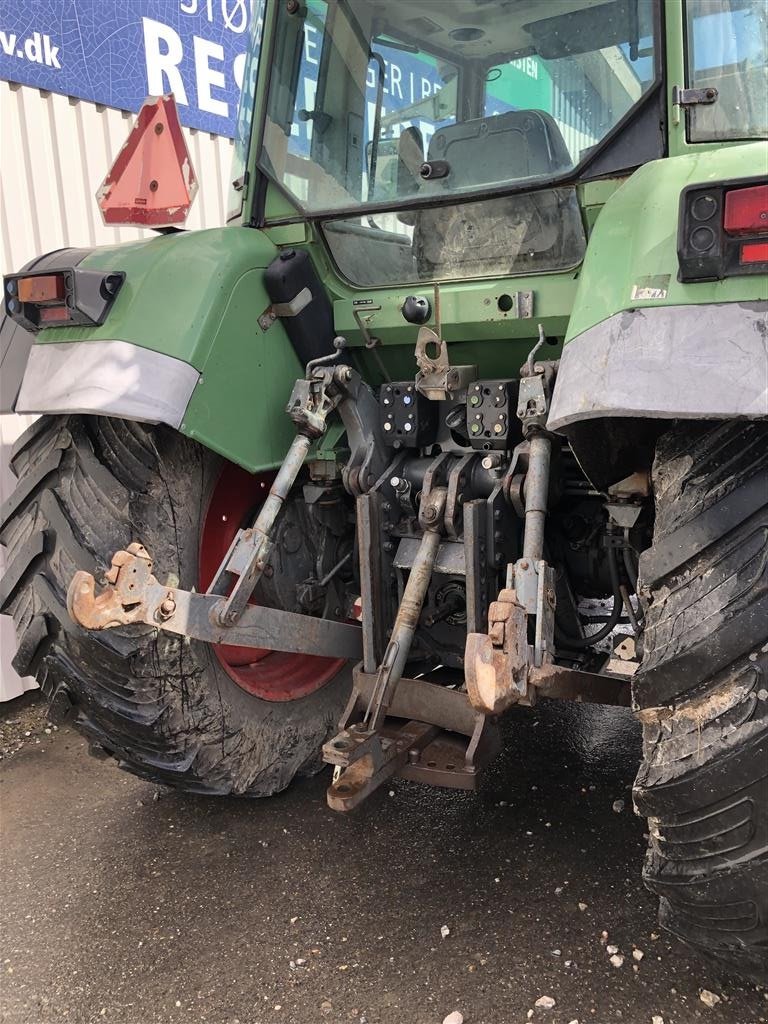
{"x": 270, "y": 675}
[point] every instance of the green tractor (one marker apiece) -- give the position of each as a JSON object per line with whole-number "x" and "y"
{"x": 467, "y": 405}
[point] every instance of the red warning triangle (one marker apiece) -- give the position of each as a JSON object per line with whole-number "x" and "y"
{"x": 152, "y": 182}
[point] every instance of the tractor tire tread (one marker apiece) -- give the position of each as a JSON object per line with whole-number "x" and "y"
{"x": 702, "y": 697}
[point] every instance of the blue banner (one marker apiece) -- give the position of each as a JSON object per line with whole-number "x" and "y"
{"x": 118, "y": 53}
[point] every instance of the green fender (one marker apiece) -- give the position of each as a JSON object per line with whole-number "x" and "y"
{"x": 196, "y": 298}
{"x": 642, "y": 344}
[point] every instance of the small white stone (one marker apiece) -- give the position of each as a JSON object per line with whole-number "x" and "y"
{"x": 582, "y": 906}
{"x": 617, "y": 961}
{"x": 617, "y": 806}
{"x": 611, "y": 949}
{"x": 574, "y": 1021}
{"x": 445, "y": 931}
{"x": 558, "y": 890}
{"x": 709, "y": 999}
{"x": 656, "y": 1019}
{"x": 556, "y": 952}
{"x": 638, "y": 954}
{"x": 294, "y": 920}
{"x": 454, "y": 1018}
{"x": 545, "y": 1003}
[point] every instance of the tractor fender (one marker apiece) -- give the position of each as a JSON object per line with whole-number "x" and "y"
{"x": 644, "y": 346}
{"x": 667, "y": 362}
{"x": 188, "y": 342}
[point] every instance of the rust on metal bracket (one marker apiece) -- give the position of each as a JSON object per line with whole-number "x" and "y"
{"x": 432, "y": 736}
{"x": 377, "y": 759}
{"x": 499, "y": 673}
{"x": 121, "y": 603}
{"x": 133, "y": 595}
{"x": 496, "y": 662}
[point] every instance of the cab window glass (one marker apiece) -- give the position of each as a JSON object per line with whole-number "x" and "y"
{"x": 727, "y": 49}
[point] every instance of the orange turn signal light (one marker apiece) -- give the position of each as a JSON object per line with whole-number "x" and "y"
{"x": 54, "y": 314}
{"x": 41, "y": 288}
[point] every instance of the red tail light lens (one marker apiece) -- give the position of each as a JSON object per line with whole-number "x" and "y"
{"x": 754, "y": 252}
{"x": 746, "y": 210}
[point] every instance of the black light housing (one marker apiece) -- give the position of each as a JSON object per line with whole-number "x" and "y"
{"x": 723, "y": 230}
{"x": 60, "y": 298}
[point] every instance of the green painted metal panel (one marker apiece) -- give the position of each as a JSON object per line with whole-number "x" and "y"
{"x": 197, "y": 296}
{"x": 238, "y": 406}
{"x": 176, "y": 289}
{"x": 634, "y": 241}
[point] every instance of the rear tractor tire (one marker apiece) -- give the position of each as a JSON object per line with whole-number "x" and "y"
{"x": 702, "y": 692}
{"x": 205, "y": 719}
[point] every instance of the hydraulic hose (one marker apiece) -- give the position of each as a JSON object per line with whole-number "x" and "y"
{"x": 628, "y": 564}
{"x": 613, "y": 618}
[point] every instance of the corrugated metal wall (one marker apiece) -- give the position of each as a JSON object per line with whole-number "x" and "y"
{"x": 54, "y": 153}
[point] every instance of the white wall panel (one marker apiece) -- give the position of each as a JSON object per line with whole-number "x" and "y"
{"x": 54, "y": 153}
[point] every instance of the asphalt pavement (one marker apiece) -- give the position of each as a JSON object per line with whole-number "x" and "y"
{"x": 123, "y": 902}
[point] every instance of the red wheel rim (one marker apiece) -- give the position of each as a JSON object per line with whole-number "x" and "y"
{"x": 271, "y": 675}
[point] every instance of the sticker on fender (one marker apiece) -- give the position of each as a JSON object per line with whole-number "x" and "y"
{"x": 651, "y": 287}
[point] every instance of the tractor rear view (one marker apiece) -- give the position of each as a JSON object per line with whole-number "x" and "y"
{"x": 466, "y": 406}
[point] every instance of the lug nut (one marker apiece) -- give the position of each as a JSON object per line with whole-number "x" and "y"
{"x": 168, "y": 607}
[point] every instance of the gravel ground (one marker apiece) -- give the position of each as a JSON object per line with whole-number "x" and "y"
{"x": 23, "y": 723}
{"x": 130, "y": 904}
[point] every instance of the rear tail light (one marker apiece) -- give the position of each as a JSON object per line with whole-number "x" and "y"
{"x": 61, "y": 298}
{"x": 754, "y": 252}
{"x": 723, "y": 230}
{"x": 746, "y": 211}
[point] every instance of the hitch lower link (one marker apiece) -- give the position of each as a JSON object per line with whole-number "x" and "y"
{"x": 222, "y": 615}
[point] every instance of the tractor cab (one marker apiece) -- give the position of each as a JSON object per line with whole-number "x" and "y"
{"x": 383, "y": 120}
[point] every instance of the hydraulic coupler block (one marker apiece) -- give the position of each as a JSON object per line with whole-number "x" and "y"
{"x": 408, "y": 419}
{"x": 492, "y": 423}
